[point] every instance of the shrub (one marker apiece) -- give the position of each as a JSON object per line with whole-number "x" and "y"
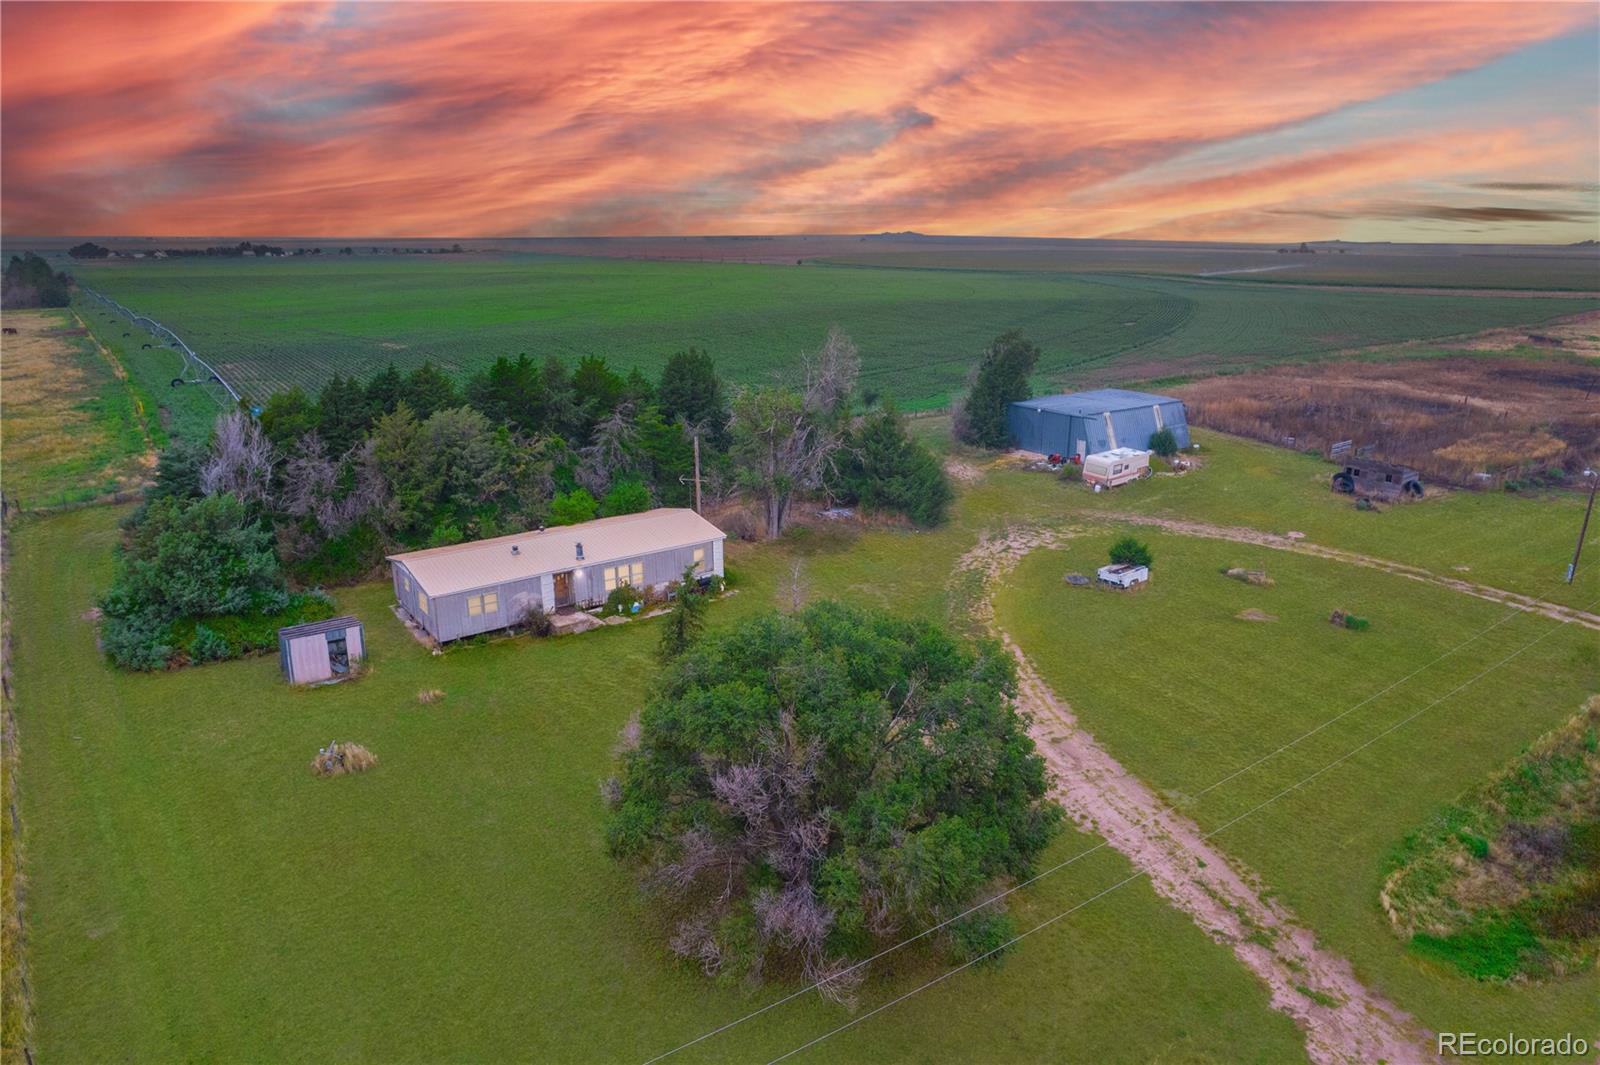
{"x": 985, "y": 934}
{"x": 137, "y": 641}
{"x": 535, "y": 622}
{"x": 622, "y": 600}
{"x": 625, "y": 497}
{"x": 1356, "y": 624}
{"x": 1164, "y": 443}
{"x": 1071, "y": 471}
{"x": 571, "y": 508}
{"x": 1130, "y": 552}
{"x": 207, "y": 645}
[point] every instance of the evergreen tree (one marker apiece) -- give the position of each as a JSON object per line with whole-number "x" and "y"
{"x": 558, "y": 405}
{"x": 884, "y": 468}
{"x": 669, "y": 455}
{"x": 385, "y": 391}
{"x": 691, "y": 391}
{"x": 687, "y": 620}
{"x": 343, "y": 414}
{"x": 597, "y": 389}
{"x": 428, "y": 390}
{"x": 1001, "y": 379}
{"x": 509, "y": 393}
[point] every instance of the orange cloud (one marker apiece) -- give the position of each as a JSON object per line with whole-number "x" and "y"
{"x": 509, "y": 119}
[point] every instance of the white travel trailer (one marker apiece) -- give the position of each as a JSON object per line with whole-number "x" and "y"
{"x": 1117, "y": 466}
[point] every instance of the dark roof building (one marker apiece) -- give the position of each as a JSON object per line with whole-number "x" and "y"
{"x": 1083, "y": 423}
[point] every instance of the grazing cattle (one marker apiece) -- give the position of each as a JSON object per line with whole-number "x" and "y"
{"x": 8, "y": 331}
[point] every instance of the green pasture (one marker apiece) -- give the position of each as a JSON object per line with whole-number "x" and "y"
{"x": 195, "y": 893}
{"x": 1186, "y": 694}
{"x": 187, "y": 411}
{"x": 267, "y": 324}
{"x": 71, "y": 429}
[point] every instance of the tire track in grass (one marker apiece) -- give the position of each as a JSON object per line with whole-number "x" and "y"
{"x": 1344, "y": 1021}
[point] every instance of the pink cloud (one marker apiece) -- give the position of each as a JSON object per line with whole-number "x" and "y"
{"x": 483, "y": 119}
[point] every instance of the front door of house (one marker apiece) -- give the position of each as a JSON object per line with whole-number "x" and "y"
{"x": 564, "y": 589}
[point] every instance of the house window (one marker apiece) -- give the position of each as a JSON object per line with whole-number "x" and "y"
{"x": 699, "y": 557}
{"x": 422, "y": 601}
{"x": 625, "y": 574}
{"x": 406, "y": 583}
{"x": 474, "y": 605}
{"x": 487, "y": 603}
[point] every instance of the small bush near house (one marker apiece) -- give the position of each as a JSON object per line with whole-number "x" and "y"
{"x": 337, "y": 759}
{"x": 1071, "y": 471}
{"x": 535, "y": 622}
{"x": 622, "y": 600}
{"x": 207, "y": 645}
{"x": 1130, "y": 552}
{"x": 1164, "y": 443}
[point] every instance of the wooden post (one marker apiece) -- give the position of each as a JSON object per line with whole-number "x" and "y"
{"x": 1583, "y": 530}
{"x": 697, "y": 474}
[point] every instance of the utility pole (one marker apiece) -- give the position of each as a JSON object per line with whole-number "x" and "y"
{"x": 697, "y": 482}
{"x": 1583, "y": 530}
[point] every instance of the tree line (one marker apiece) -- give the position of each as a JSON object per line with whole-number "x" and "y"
{"x": 29, "y": 282}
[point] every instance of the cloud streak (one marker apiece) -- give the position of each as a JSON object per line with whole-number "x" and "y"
{"x": 513, "y": 119}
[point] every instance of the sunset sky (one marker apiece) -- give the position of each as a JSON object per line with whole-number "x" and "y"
{"x": 1390, "y": 121}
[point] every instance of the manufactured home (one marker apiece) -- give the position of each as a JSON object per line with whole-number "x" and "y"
{"x": 1117, "y": 466}
{"x": 466, "y": 589}
{"x": 320, "y": 651}
{"x": 1084, "y": 423}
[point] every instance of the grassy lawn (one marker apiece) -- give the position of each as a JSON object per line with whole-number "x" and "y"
{"x": 1515, "y": 542}
{"x": 72, "y": 429}
{"x": 269, "y": 324}
{"x": 195, "y": 893}
{"x": 1183, "y": 693}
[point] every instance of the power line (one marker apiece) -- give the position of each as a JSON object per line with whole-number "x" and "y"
{"x": 1206, "y": 836}
{"x": 1511, "y": 614}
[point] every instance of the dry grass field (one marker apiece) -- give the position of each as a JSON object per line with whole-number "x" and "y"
{"x": 74, "y": 427}
{"x": 1463, "y": 420}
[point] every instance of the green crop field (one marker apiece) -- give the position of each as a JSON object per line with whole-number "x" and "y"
{"x": 267, "y": 324}
{"x": 1183, "y": 692}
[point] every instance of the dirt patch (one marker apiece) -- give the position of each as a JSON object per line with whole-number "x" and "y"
{"x": 1252, "y": 614}
{"x": 1343, "y": 1020}
{"x": 965, "y": 472}
{"x": 1579, "y": 334}
{"x": 1465, "y": 420}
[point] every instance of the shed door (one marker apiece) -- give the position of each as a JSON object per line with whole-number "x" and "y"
{"x": 308, "y": 659}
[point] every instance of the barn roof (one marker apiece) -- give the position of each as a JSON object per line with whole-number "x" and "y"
{"x": 463, "y": 567}
{"x": 1097, "y": 402}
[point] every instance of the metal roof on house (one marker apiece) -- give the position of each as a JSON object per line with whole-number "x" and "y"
{"x": 1099, "y": 401}
{"x": 464, "y": 567}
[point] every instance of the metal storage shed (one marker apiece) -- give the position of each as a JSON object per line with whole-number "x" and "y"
{"x": 466, "y": 589}
{"x": 1083, "y": 423}
{"x": 320, "y": 650}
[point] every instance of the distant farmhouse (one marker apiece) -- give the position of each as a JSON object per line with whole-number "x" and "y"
{"x": 490, "y": 584}
{"x": 1086, "y": 423}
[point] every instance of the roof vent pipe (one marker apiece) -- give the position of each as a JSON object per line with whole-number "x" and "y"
{"x": 516, "y": 550}
{"x": 580, "y": 550}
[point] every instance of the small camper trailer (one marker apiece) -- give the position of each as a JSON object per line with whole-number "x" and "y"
{"x": 1117, "y": 466}
{"x": 1124, "y": 575}
{"x": 320, "y": 650}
